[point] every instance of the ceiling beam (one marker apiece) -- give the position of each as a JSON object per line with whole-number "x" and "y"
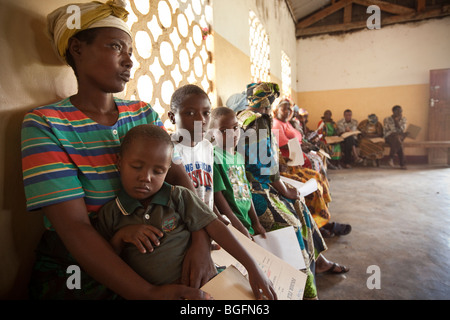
{"x": 323, "y": 13}
{"x": 344, "y": 27}
{"x": 348, "y": 13}
{"x": 291, "y": 11}
{"x": 386, "y": 6}
{"x": 421, "y": 5}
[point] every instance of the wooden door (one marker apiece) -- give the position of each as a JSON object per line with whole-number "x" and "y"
{"x": 439, "y": 114}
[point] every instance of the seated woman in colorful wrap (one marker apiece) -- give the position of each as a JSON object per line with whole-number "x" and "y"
{"x": 311, "y": 140}
{"x": 319, "y": 200}
{"x": 327, "y": 127}
{"x": 277, "y": 204}
{"x": 371, "y": 140}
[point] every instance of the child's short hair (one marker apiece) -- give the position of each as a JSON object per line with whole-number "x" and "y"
{"x": 181, "y": 93}
{"x": 145, "y": 131}
{"x": 217, "y": 113}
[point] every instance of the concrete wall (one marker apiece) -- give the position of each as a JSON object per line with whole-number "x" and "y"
{"x": 232, "y": 48}
{"x": 370, "y": 71}
{"x": 31, "y": 76}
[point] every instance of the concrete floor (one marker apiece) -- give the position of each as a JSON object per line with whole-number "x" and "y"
{"x": 401, "y": 224}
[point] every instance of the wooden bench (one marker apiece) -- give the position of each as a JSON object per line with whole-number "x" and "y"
{"x": 428, "y": 145}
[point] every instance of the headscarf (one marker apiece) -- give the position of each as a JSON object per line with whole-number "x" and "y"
{"x": 281, "y": 101}
{"x": 302, "y": 112}
{"x": 237, "y": 102}
{"x": 262, "y": 94}
{"x": 93, "y": 14}
{"x": 373, "y": 118}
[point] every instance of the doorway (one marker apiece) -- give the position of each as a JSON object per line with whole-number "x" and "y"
{"x": 439, "y": 114}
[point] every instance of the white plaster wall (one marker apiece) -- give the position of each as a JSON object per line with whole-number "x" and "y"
{"x": 393, "y": 55}
{"x": 231, "y": 21}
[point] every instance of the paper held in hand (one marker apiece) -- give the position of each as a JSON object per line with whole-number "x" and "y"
{"x": 333, "y": 139}
{"x": 413, "y": 131}
{"x": 230, "y": 284}
{"x": 305, "y": 189}
{"x": 350, "y": 133}
{"x": 295, "y": 153}
{"x": 284, "y": 244}
{"x": 377, "y": 140}
{"x": 288, "y": 282}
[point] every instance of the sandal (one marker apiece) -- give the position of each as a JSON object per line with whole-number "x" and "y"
{"x": 326, "y": 233}
{"x": 338, "y": 229}
{"x": 336, "y": 268}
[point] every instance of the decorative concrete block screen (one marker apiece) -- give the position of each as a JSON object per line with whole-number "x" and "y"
{"x": 259, "y": 50}
{"x": 172, "y": 47}
{"x": 286, "y": 77}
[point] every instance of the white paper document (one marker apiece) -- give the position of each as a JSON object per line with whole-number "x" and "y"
{"x": 377, "y": 140}
{"x": 295, "y": 153}
{"x": 284, "y": 244}
{"x": 333, "y": 139}
{"x": 288, "y": 282}
{"x": 305, "y": 188}
{"x": 230, "y": 284}
{"x": 350, "y": 133}
{"x": 325, "y": 154}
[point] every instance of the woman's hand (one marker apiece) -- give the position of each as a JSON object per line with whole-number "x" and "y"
{"x": 291, "y": 192}
{"x": 286, "y": 190}
{"x": 198, "y": 267}
{"x": 144, "y": 237}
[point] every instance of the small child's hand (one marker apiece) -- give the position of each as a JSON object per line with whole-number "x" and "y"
{"x": 259, "y": 229}
{"x": 144, "y": 237}
{"x": 261, "y": 285}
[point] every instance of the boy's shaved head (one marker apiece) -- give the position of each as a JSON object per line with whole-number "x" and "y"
{"x": 181, "y": 93}
{"x": 217, "y": 113}
{"x": 145, "y": 131}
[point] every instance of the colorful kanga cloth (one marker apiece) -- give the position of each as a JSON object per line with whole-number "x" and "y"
{"x": 275, "y": 211}
{"x": 369, "y": 149}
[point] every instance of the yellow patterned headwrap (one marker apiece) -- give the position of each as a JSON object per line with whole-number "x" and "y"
{"x": 92, "y": 15}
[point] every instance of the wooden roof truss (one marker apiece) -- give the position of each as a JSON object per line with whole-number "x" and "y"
{"x": 349, "y": 15}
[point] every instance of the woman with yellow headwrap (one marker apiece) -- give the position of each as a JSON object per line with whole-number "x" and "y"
{"x": 69, "y": 154}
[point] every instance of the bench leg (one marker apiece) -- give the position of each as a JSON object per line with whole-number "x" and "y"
{"x": 448, "y": 156}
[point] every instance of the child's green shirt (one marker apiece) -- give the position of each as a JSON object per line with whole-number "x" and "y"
{"x": 230, "y": 178}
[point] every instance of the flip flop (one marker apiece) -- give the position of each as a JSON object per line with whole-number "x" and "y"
{"x": 339, "y": 229}
{"x": 336, "y": 268}
{"x": 326, "y": 233}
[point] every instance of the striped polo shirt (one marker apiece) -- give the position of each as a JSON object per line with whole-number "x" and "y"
{"x": 66, "y": 155}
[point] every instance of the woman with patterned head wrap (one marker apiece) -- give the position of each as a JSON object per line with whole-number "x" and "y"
{"x": 69, "y": 156}
{"x": 276, "y": 203}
